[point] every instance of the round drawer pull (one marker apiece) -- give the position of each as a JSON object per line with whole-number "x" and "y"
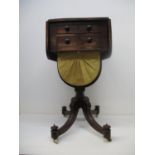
{"x": 89, "y": 27}
{"x": 89, "y": 39}
{"x": 67, "y": 41}
{"x": 67, "y": 28}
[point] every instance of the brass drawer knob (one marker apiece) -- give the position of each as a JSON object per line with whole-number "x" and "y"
{"x": 67, "y": 41}
{"x": 89, "y": 28}
{"x": 67, "y": 28}
{"x": 89, "y": 39}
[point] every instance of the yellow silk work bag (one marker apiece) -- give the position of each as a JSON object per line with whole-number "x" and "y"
{"x": 79, "y": 68}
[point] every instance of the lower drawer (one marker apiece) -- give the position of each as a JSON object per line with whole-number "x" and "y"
{"x": 92, "y": 42}
{"x": 81, "y": 42}
{"x": 66, "y": 43}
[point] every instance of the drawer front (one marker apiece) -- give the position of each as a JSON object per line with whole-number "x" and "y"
{"x": 92, "y": 42}
{"x": 86, "y": 27}
{"x": 66, "y": 43}
{"x": 65, "y": 28}
{"x": 81, "y": 42}
{"x": 92, "y": 28}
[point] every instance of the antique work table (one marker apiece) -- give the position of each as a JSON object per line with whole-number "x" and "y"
{"x": 79, "y": 45}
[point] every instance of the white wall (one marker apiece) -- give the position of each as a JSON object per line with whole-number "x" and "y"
{"x": 41, "y": 89}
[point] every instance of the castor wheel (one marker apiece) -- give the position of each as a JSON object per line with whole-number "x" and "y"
{"x": 55, "y": 141}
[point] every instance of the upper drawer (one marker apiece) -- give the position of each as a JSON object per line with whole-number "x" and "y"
{"x": 84, "y": 27}
{"x": 65, "y": 28}
{"x": 91, "y": 28}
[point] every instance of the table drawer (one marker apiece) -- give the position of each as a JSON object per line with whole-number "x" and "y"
{"x": 92, "y": 42}
{"x": 80, "y": 42}
{"x": 68, "y": 28}
{"x": 65, "y": 28}
{"x": 65, "y": 43}
{"x": 91, "y": 28}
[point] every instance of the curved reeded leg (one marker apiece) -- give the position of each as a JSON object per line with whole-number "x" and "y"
{"x": 105, "y": 130}
{"x": 56, "y": 131}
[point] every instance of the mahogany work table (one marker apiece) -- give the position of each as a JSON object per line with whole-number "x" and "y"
{"x": 79, "y": 45}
